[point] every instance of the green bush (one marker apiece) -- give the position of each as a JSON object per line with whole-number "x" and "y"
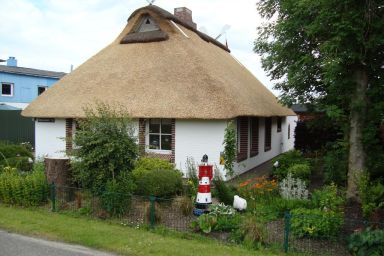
{"x": 116, "y": 199}
{"x": 315, "y": 223}
{"x": 301, "y": 171}
{"x": 23, "y": 189}
{"x": 287, "y": 160}
{"x": 328, "y": 198}
{"x": 105, "y": 147}
{"x": 372, "y": 195}
{"x": 17, "y": 156}
{"x": 224, "y": 192}
{"x": 251, "y": 233}
{"x": 336, "y": 164}
{"x": 156, "y": 177}
{"x": 369, "y": 242}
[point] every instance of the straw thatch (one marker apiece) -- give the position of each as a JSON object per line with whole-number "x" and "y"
{"x": 182, "y": 77}
{"x": 145, "y": 37}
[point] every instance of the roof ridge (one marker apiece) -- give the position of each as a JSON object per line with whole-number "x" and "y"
{"x": 167, "y": 15}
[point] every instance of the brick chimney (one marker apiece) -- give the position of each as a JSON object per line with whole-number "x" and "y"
{"x": 185, "y": 15}
{"x": 12, "y": 62}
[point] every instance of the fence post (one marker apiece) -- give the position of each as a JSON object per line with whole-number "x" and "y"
{"x": 152, "y": 200}
{"x": 287, "y": 229}
{"x": 53, "y": 196}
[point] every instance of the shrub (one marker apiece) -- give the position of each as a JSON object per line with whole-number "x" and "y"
{"x": 368, "y": 242}
{"x": 293, "y": 188}
{"x": 315, "y": 223}
{"x": 224, "y": 192}
{"x": 193, "y": 180}
{"x": 328, "y": 198}
{"x": 258, "y": 189}
{"x": 105, "y": 147}
{"x": 285, "y": 161}
{"x": 251, "y": 233}
{"x": 116, "y": 198}
{"x": 372, "y": 195}
{"x": 17, "y": 156}
{"x": 156, "y": 177}
{"x": 301, "y": 171}
{"x": 23, "y": 189}
{"x": 185, "y": 204}
{"x": 282, "y": 205}
{"x": 336, "y": 164}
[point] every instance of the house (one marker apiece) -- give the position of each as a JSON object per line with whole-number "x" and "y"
{"x": 20, "y": 86}
{"x": 180, "y": 86}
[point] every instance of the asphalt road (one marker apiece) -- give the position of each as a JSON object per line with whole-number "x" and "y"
{"x": 18, "y": 245}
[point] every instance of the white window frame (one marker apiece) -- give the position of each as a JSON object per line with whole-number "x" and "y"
{"x": 12, "y": 89}
{"x": 156, "y": 151}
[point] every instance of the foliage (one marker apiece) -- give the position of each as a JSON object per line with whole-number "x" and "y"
{"x": 281, "y": 205}
{"x": 287, "y": 160}
{"x": 185, "y": 204}
{"x": 251, "y": 233}
{"x": 329, "y": 53}
{"x": 105, "y": 146}
{"x": 221, "y": 209}
{"x": 223, "y": 191}
{"x": 17, "y": 156}
{"x": 193, "y": 180}
{"x": 156, "y": 177}
{"x": 206, "y": 222}
{"x": 313, "y": 135}
{"x": 29, "y": 189}
{"x": 336, "y": 164}
{"x": 372, "y": 195}
{"x": 329, "y": 198}
{"x": 300, "y": 171}
{"x": 258, "y": 188}
{"x": 116, "y": 199}
{"x": 368, "y": 242}
{"x": 315, "y": 223}
{"x": 293, "y": 188}
{"x": 229, "y": 148}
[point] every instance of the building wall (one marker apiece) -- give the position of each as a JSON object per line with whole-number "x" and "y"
{"x": 24, "y": 88}
{"x": 194, "y": 138}
{"x": 49, "y": 138}
{"x": 279, "y": 144}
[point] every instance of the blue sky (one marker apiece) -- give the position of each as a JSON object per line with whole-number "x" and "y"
{"x": 55, "y": 34}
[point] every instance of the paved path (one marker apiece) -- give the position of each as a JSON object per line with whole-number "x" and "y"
{"x": 18, "y": 245}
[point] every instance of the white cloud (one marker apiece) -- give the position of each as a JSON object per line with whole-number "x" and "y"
{"x": 53, "y": 34}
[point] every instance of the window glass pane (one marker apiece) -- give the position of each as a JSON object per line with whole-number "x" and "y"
{"x": 154, "y": 141}
{"x": 166, "y": 142}
{"x": 40, "y": 90}
{"x": 6, "y": 89}
{"x": 166, "y": 126}
{"x": 154, "y": 125}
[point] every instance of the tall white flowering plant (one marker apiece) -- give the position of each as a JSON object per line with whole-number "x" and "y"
{"x": 293, "y": 188}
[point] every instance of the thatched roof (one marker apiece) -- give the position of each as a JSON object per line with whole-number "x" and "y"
{"x": 187, "y": 77}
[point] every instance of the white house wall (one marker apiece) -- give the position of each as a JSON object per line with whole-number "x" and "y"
{"x": 194, "y": 138}
{"x": 279, "y": 143}
{"x": 50, "y": 138}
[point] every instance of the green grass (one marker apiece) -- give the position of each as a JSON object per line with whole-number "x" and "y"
{"x": 111, "y": 236}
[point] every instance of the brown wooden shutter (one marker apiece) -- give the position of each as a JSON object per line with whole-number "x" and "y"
{"x": 242, "y": 137}
{"x": 268, "y": 134}
{"x": 254, "y": 136}
{"x": 68, "y": 134}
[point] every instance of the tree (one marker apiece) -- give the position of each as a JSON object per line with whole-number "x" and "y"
{"x": 105, "y": 147}
{"x": 330, "y": 53}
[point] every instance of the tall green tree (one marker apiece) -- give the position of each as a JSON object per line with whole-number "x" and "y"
{"x": 330, "y": 53}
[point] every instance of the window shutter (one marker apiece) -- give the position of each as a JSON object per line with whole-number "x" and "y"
{"x": 254, "y": 136}
{"x": 268, "y": 134}
{"x": 242, "y": 135}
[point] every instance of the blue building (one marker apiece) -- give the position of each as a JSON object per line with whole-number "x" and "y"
{"x": 20, "y": 86}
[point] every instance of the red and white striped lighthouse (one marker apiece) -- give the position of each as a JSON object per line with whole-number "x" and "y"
{"x": 204, "y": 190}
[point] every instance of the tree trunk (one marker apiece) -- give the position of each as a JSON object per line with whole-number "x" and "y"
{"x": 356, "y": 162}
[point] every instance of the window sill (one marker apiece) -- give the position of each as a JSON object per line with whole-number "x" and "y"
{"x": 267, "y": 149}
{"x": 158, "y": 151}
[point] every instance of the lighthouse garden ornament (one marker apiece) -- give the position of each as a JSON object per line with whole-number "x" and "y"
{"x": 204, "y": 197}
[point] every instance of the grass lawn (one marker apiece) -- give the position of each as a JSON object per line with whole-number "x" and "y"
{"x": 111, "y": 236}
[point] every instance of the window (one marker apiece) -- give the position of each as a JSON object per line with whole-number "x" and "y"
{"x": 279, "y": 124}
{"x": 6, "y": 89}
{"x": 41, "y": 89}
{"x": 242, "y": 138}
{"x": 147, "y": 24}
{"x": 160, "y": 134}
{"x": 254, "y": 136}
{"x": 268, "y": 134}
{"x": 289, "y": 131}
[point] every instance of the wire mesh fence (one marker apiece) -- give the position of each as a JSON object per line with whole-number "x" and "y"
{"x": 293, "y": 233}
